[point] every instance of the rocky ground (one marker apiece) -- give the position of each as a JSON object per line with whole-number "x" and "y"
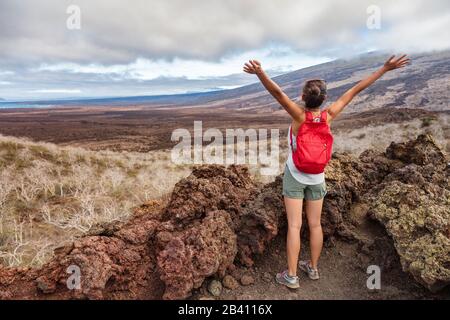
{"x": 220, "y": 229}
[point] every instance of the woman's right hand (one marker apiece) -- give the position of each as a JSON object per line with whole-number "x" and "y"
{"x": 253, "y": 67}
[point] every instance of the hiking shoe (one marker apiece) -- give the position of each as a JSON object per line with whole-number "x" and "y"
{"x": 305, "y": 266}
{"x": 285, "y": 279}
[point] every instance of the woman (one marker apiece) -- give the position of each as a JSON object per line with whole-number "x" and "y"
{"x": 298, "y": 185}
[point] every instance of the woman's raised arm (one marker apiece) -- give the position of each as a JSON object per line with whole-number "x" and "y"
{"x": 254, "y": 67}
{"x": 348, "y": 96}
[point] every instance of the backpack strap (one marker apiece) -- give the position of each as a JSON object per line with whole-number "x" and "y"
{"x": 323, "y": 116}
{"x": 290, "y": 137}
{"x": 310, "y": 117}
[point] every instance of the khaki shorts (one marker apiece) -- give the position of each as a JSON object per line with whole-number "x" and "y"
{"x": 296, "y": 190}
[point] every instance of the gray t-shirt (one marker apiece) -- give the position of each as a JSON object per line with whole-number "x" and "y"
{"x": 305, "y": 178}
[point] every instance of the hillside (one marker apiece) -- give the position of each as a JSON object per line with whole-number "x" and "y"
{"x": 424, "y": 84}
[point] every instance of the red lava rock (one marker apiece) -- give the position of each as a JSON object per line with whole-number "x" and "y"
{"x": 197, "y": 253}
{"x": 121, "y": 266}
{"x": 229, "y": 282}
{"x": 260, "y": 219}
{"x": 267, "y": 277}
{"x": 209, "y": 188}
{"x": 247, "y": 280}
{"x": 252, "y": 219}
{"x": 212, "y": 215}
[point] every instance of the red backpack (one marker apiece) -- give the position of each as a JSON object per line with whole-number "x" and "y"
{"x": 314, "y": 144}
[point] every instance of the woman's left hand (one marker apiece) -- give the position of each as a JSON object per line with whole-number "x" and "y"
{"x": 392, "y": 63}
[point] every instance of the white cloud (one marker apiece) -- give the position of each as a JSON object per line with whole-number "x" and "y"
{"x": 181, "y": 45}
{"x": 191, "y": 69}
{"x": 120, "y": 31}
{"x": 6, "y": 73}
{"x": 65, "y": 91}
{"x": 421, "y": 34}
{"x": 226, "y": 87}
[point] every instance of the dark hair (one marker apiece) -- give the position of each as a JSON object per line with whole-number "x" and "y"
{"x": 314, "y": 93}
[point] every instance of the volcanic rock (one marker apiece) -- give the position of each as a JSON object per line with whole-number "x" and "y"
{"x": 230, "y": 282}
{"x": 413, "y": 203}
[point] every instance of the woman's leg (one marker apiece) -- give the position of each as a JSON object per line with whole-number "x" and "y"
{"x": 294, "y": 217}
{"x": 313, "y": 210}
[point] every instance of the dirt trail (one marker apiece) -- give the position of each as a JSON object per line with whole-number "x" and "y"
{"x": 343, "y": 276}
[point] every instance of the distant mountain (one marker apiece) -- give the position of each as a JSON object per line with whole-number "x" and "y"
{"x": 1, "y": 99}
{"x": 175, "y": 99}
{"x": 422, "y": 84}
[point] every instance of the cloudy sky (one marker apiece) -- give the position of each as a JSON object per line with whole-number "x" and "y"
{"x": 145, "y": 47}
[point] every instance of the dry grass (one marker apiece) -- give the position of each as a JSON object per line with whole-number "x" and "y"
{"x": 378, "y": 137}
{"x": 51, "y": 194}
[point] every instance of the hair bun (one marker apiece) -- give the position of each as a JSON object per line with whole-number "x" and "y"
{"x": 316, "y": 90}
{"x": 313, "y": 90}
{"x": 314, "y": 93}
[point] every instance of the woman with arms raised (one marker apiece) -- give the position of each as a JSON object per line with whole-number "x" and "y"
{"x": 310, "y": 147}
